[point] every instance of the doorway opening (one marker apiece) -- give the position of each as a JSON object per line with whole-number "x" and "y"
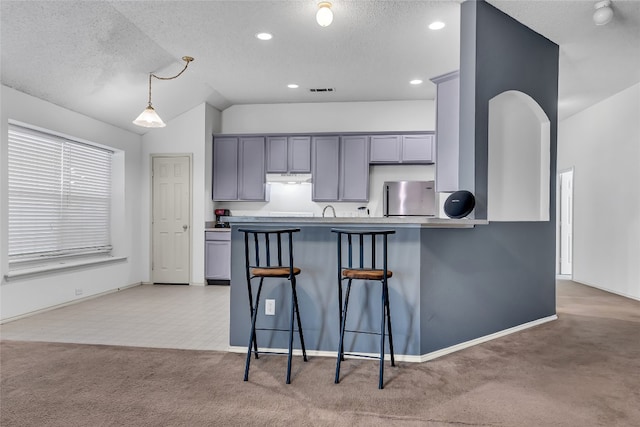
{"x": 565, "y": 223}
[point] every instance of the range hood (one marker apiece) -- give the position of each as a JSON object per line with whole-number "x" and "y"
{"x": 289, "y": 178}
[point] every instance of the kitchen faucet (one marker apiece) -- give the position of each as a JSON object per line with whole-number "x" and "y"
{"x": 325, "y": 208}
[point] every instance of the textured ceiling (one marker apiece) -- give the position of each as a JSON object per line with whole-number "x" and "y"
{"x": 94, "y": 56}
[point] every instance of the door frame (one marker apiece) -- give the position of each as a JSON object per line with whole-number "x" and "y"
{"x": 152, "y": 156}
{"x": 559, "y": 218}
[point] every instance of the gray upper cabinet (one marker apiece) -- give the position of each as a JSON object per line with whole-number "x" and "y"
{"x": 238, "y": 168}
{"x": 405, "y": 148}
{"x": 251, "y": 175}
{"x": 325, "y": 167}
{"x": 299, "y": 154}
{"x": 385, "y": 148}
{"x": 417, "y": 149}
{"x": 340, "y": 168}
{"x": 277, "y": 157}
{"x": 447, "y": 131}
{"x": 288, "y": 154}
{"x": 225, "y": 168}
{"x": 354, "y": 168}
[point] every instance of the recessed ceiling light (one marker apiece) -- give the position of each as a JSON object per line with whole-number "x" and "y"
{"x": 264, "y": 36}
{"x": 416, "y": 82}
{"x": 437, "y": 25}
{"x": 292, "y": 86}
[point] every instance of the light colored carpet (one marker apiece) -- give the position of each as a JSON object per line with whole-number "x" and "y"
{"x": 581, "y": 370}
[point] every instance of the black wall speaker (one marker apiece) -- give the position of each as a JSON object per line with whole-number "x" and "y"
{"x": 459, "y": 204}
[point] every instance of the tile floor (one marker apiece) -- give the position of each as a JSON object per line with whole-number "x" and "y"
{"x": 164, "y": 316}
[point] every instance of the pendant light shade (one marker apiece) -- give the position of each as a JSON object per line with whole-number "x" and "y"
{"x": 149, "y": 119}
{"x": 324, "y": 16}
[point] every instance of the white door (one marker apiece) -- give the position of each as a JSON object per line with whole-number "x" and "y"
{"x": 566, "y": 222}
{"x": 171, "y": 220}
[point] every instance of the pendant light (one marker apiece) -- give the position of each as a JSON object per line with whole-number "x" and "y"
{"x": 149, "y": 118}
{"x": 324, "y": 16}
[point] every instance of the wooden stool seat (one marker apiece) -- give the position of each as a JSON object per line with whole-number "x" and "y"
{"x": 365, "y": 274}
{"x": 273, "y": 271}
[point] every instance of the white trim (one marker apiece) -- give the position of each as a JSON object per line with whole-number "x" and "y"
{"x": 413, "y": 358}
{"x": 75, "y": 301}
{"x": 64, "y": 265}
{"x": 602, "y": 288}
{"x": 480, "y": 340}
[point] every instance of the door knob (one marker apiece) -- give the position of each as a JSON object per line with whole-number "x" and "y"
{"x": 184, "y": 227}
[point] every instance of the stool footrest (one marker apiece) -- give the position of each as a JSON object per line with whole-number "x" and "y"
{"x": 277, "y": 330}
{"x": 362, "y": 332}
{"x": 365, "y": 356}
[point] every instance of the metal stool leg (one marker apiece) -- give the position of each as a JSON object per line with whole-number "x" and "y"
{"x": 342, "y": 328}
{"x": 252, "y": 335}
{"x": 382, "y": 328}
{"x": 300, "y": 333}
{"x": 388, "y": 310}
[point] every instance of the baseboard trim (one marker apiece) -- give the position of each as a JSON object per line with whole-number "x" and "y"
{"x": 64, "y": 304}
{"x": 490, "y": 337}
{"x": 611, "y": 291}
{"x": 414, "y": 358}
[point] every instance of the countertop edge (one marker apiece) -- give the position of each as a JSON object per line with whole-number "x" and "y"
{"x": 423, "y": 222}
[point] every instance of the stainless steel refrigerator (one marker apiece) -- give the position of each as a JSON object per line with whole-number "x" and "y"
{"x": 409, "y": 198}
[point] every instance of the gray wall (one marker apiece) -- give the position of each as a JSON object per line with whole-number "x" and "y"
{"x": 500, "y": 275}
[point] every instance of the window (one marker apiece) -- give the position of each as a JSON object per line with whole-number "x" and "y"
{"x": 59, "y": 197}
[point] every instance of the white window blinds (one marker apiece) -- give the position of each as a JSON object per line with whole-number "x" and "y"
{"x": 59, "y": 196}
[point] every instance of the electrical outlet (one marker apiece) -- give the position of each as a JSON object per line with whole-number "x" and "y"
{"x": 270, "y": 307}
{"x": 78, "y": 292}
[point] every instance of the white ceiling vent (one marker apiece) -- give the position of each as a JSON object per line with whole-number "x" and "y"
{"x": 322, "y": 90}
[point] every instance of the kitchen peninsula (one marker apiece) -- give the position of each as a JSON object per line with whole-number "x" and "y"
{"x": 438, "y": 293}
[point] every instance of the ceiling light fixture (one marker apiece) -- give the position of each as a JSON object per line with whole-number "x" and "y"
{"x": 293, "y": 86}
{"x": 415, "y": 82}
{"x": 324, "y": 16}
{"x": 437, "y": 25}
{"x": 149, "y": 118}
{"x": 264, "y": 36}
{"x": 603, "y": 13}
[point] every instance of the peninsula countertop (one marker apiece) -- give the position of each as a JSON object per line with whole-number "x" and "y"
{"x": 399, "y": 221}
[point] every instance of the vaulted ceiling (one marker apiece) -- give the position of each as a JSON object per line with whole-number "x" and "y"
{"x": 94, "y": 57}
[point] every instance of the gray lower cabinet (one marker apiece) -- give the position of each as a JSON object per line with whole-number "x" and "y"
{"x": 340, "y": 168}
{"x": 288, "y": 154}
{"x": 447, "y": 131}
{"x": 217, "y": 254}
{"x": 238, "y": 168}
{"x": 405, "y": 148}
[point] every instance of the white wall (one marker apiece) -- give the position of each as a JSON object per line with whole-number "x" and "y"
{"x": 28, "y": 294}
{"x": 330, "y": 117}
{"x": 189, "y": 133}
{"x": 602, "y": 143}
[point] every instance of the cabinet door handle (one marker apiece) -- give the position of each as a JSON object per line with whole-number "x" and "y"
{"x": 184, "y": 227}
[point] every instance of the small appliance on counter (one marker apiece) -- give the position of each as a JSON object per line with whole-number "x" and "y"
{"x": 409, "y": 198}
{"x": 219, "y": 214}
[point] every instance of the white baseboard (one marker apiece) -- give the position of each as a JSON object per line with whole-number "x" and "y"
{"x": 611, "y": 291}
{"x": 413, "y": 358}
{"x": 64, "y": 304}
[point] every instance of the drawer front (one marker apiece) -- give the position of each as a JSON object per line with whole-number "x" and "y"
{"x": 217, "y": 235}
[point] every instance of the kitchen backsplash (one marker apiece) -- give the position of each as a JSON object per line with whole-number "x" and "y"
{"x": 295, "y": 199}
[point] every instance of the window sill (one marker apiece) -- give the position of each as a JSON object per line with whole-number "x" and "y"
{"x": 66, "y": 265}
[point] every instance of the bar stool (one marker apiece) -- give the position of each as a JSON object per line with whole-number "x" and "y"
{"x": 257, "y": 243}
{"x": 368, "y": 272}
